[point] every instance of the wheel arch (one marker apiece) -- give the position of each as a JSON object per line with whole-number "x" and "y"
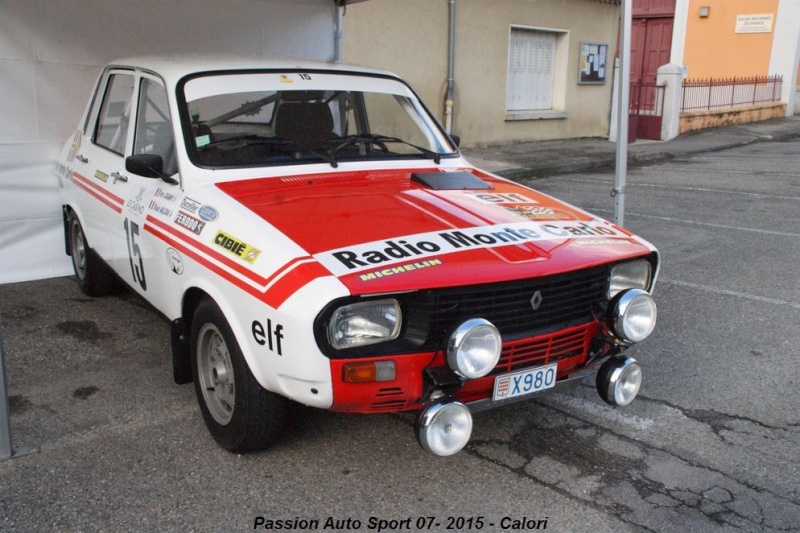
{"x": 181, "y": 326}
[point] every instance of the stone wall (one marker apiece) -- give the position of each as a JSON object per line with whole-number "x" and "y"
{"x": 699, "y": 120}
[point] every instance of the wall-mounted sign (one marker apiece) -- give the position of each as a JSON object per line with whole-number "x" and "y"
{"x": 592, "y": 63}
{"x": 754, "y": 23}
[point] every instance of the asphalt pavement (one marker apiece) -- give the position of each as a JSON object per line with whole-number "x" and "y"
{"x": 711, "y": 444}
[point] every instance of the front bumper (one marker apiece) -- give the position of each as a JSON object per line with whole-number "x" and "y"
{"x": 576, "y": 350}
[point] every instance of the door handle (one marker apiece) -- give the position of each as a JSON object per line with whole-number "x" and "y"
{"x": 119, "y": 177}
{"x": 81, "y": 158}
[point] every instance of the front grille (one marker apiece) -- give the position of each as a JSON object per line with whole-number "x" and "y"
{"x": 543, "y": 350}
{"x": 565, "y": 300}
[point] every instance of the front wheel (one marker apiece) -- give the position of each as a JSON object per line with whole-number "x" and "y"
{"x": 240, "y": 414}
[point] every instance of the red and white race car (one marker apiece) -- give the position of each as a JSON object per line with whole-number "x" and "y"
{"x": 313, "y": 234}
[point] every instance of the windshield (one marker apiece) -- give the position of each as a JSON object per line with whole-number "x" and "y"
{"x": 261, "y": 119}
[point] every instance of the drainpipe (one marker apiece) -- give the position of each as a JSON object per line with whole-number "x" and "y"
{"x": 448, "y": 100}
{"x": 339, "y": 34}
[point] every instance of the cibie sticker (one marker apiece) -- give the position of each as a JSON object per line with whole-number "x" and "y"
{"x": 367, "y": 256}
{"x": 236, "y": 247}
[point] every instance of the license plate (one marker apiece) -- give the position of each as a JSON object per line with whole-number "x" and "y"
{"x": 524, "y": 382}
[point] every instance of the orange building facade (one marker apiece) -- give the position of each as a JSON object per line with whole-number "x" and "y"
{"x": 729, "y": 38}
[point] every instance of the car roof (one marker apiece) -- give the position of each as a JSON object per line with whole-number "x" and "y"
{"x": 174, "y": 67}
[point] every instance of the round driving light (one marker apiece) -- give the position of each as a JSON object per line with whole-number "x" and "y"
{"x": 474, "y": 348}
{"x": 634, "y": 315}
{"x": 619, "y": 380}
{"x": 444, "y": 427}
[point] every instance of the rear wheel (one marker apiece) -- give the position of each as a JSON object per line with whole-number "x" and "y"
{"x": 94, "y": 276}
{"x": 240, "y": 414}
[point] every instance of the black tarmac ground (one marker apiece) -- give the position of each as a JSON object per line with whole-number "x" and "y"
{"x": 711, "y": 444}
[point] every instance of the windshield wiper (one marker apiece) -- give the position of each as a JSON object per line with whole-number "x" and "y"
{"x": 244, "y": 140}
{"x": 377, "y": 139}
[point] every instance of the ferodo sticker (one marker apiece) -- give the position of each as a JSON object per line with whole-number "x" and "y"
{"x": 236, "y": 247}
{"x": 422, "y": 245}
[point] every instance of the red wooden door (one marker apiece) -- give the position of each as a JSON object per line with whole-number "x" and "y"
{"x": 658, "y": 43}
{"x": 651, "y": 44}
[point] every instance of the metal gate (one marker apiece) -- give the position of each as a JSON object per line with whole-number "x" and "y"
{"x": 646, "y": 110}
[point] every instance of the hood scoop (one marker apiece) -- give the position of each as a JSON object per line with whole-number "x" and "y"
{"x": 449, "y": 181}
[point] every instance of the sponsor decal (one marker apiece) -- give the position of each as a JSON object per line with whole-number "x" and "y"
{"x": 502, "y": 198}
{"x": 165, "y": 195}
{"x": 160, "y": 208}
{"x": 286, "y": 79}
{"x": 175, "y": 261}
{"x": 534, "y": 212}
{"x": 189, "y": 222}
{"x": 401, "y": 269}
{"x": 64, "y": 171}
{"x": 135, "y": 204}
{"x": 603, "y": 242}
{"x": 76, "y": 145}
{"x": 424, "y": 245}
{"x": 187, "y": 204}
{"x": 102, "y": 176}
{"x": 271, "y": 337}
{"x": 236, "y": 247}
{"x": 208, "y": 213}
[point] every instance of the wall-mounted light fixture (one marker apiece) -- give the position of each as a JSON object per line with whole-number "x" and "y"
{"x": 705, "y": 11}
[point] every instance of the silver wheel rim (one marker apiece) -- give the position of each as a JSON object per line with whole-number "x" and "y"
{"x": 215, "y": 372}
{"x": 78, "y": 246}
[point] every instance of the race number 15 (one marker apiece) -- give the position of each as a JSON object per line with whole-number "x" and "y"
{"x": 135, "y": 253}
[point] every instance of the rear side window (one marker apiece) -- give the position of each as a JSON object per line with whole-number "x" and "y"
{"x": 112, "y": 123}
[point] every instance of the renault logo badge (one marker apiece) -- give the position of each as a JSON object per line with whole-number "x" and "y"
{"x": 536, "y": 300}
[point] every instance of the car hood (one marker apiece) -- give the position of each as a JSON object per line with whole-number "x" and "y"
{"x": 381, "y": 231}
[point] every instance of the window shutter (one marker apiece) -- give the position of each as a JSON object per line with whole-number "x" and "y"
{"x": 531, "y": 62}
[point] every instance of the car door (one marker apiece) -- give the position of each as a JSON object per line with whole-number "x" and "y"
{"x": 144, "y": 261}
{"x": 100, "y": 191}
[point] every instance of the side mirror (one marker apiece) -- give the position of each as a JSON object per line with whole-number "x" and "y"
{"x": 148, "y": 166}
{"x": 456, "y": 139}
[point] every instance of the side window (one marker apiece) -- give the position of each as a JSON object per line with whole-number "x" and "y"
{"x": 112, "y": 123}
{"x": 153, "y": 126}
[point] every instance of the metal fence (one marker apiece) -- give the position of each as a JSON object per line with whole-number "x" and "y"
{"x": 702, "y": 95}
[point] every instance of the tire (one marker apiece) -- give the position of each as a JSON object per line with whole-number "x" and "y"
{"x": 94, "y": 277}
{"x": 240, "y": 414}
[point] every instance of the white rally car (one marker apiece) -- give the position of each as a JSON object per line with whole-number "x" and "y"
{"x": 313, "y": 234}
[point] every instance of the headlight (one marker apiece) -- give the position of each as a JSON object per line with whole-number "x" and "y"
{"x": 634, "y": 315}
{"x": 364, "y": 323}
{"x": 474, "y": 348}
{"x": 630, "y": 275}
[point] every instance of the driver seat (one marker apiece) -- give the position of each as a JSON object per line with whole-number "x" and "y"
{"x": 308, "y": 124}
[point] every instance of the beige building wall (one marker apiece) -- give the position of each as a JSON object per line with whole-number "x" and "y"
{"x": 410, "y": 38}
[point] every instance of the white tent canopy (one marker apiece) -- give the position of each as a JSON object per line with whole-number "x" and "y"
{"x": 51, "y": 53}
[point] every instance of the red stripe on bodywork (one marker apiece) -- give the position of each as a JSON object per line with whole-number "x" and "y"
{"x": 276, "y": 289}
{"x": 229, "y": 263}
{"x": 111, "y": 200}
{"x": 296, "y": 278}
